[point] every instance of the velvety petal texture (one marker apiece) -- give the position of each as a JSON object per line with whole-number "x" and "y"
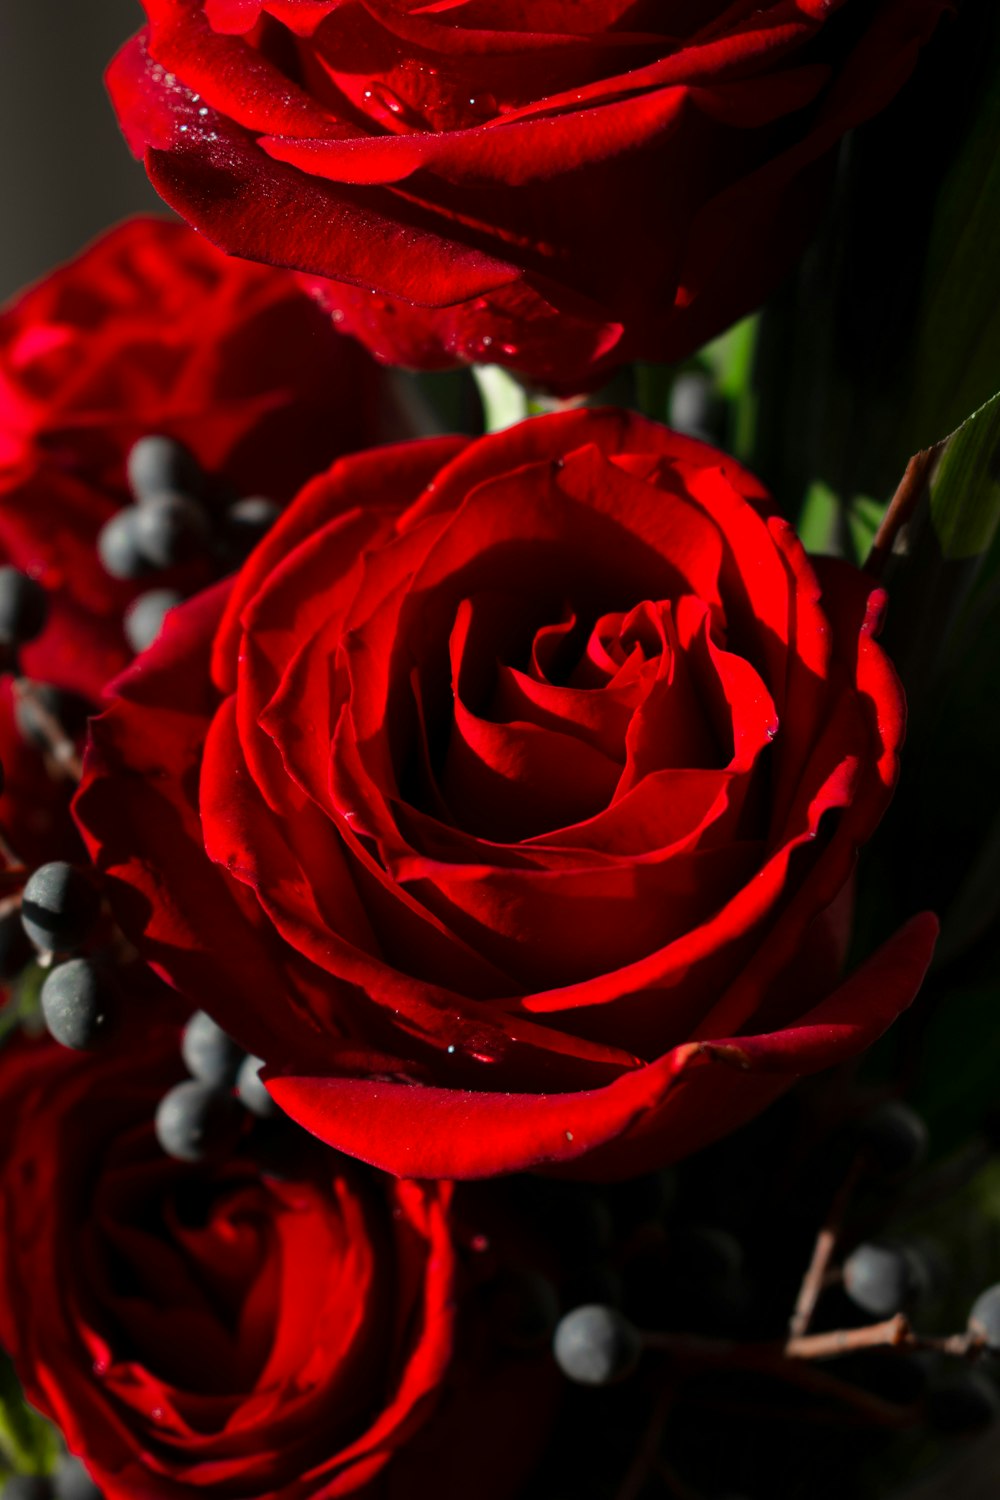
{"x": 557, "y": 187}
{"x": 226, "y": 1331}
{"x": 508, "y": 801}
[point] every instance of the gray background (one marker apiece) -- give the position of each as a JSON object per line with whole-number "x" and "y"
{"x": 65, "y": 172}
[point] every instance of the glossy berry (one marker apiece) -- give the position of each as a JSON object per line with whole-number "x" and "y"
{"x": 984, "y": 1319}
{"x": 72, "y": 1482}
{"x": 76, "y": 1004}
{"x": 197, "y": 1123}
{"x": 160, "y": 465}
{"x": 209, "y": 1053}
{"x": 895, "y": 1137}
{"x": 143, "y": 619}
{"x": 170, "y": 529}
{"x": 253, "y": 1094}
{"x": 24, "y": 607}
{"x": 596, "y": 1345}
{"x": 246, "y": 522}
{"x": 59, "y": 906}
{"x": 884, "y": 1279}
{"x": 118, "y": 546}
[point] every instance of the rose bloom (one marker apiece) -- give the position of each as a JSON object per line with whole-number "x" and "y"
{"x": 557, "y": 186}
{"x": 150, "y": 330}
{"x": 507, "y": 801}
{"x": 221, "y": 1330}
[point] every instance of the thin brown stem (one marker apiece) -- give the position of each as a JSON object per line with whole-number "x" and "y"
{"x": 10, "y": 857}
{"x": 817, "y": 1272}
{"x": 776, "y": 1357}
{"x": 645, "y": 1455}
{"x": 58, "y": 746}
{"x": 901, "y": 508}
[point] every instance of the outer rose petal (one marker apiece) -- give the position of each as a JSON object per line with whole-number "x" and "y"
{"x": 645, "y": 1119}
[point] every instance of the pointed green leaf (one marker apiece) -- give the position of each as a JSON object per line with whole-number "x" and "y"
{"x": 965, "y": 493}
{"x": 28, "y": 1442}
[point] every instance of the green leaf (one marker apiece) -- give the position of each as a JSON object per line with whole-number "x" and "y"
{"x": 956, "y": 360}
{"x": 943, "y": 634}
{"x": 504, "y": 398}
{"x": 819, "y": 519}
{"x": 965, "y": 492}
{"x": 652, "y": 389}
{"x": 889, "y": 336}
{"x": 29, "y": 1443}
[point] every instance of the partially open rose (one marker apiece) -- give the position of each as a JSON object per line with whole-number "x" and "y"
{"x": 149, "y": 330}
{"x": 225, "y": 1331}
{"x": 557, "y": 186}
{"x": 508, "y": 800}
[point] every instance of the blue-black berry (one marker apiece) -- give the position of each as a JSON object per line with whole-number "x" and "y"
{"x": 253, "y": 1094}
{"x": 197, "y": 1123}
{"x": 885, "y": 1279}
{"x": 160, "y": 465}
{"x": 209, "y": 1053}
{"x": 984, "y": 1319}
{"x": 59, "y": 906}
{"x": 895, "y": 1137}
{"x": 118, "y": 546}
{"x": 170, "y": 529}
{"x": 596, "y": 1345}
{"x": 76, "y": 1004}
{"x": 143, "y": 619}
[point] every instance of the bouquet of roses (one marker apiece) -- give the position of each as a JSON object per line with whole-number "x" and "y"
{"x": 472, "y": 1021}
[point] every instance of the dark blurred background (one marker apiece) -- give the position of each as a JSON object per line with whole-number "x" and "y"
{"x": 65, "y": 172}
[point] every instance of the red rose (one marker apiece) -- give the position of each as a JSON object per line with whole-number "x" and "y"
{"x": 508, "y": 801}
{"x": 151, "y": 330}
{"x": 225, "y": 1331}
{"x": 557, "y": 187}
